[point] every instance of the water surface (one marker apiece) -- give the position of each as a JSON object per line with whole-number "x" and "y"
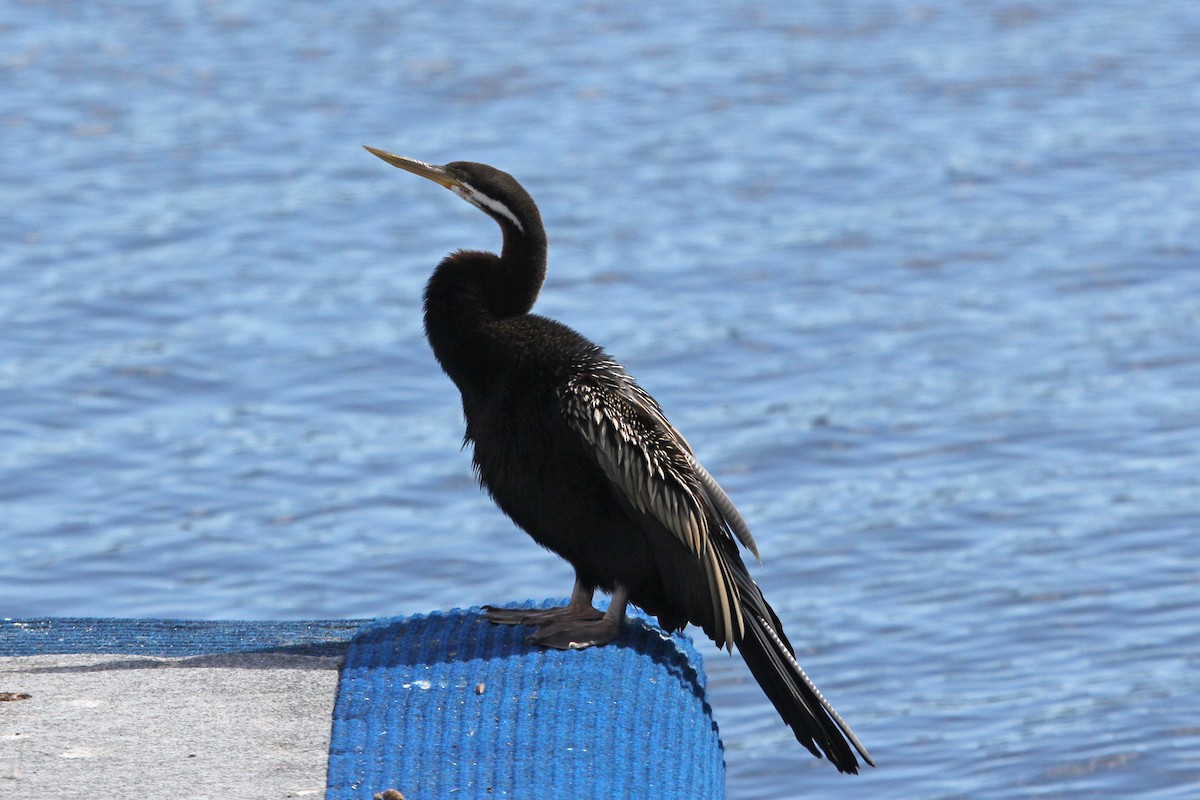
{"x": 919, "y": 282}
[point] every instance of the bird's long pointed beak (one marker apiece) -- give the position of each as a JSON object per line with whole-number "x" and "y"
{"x": 431, "y": 171}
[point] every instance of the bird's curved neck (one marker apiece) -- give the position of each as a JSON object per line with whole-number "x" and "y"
{"x": 513, "y": 288}
{"x": 471, "y": 291}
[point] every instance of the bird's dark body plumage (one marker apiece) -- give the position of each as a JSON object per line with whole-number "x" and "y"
{"x": 585, "y": 461}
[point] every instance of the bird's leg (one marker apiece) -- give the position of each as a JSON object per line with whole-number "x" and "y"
{"x": 578, "y": 609}
{"x": 576, "y": 634}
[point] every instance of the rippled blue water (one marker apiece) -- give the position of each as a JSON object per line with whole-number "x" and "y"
{"x": 920, "y": 282}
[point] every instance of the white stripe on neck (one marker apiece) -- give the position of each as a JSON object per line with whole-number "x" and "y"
{"x": 476, "y": 198}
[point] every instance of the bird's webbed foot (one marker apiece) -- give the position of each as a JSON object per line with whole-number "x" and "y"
{"x": 540, "y": 616}
{"x": 576, "y": 634}
{"x": 579, "y": 609}
{"x": 580, "y": 633}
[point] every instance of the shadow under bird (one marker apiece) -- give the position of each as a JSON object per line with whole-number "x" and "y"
{"x": 583, "y": 459}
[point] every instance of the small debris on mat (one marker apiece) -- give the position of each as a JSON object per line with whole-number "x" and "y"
{"x": 7, "y": 696}
{"x": 390, "y": 794}
{"x": 480, "y": 688}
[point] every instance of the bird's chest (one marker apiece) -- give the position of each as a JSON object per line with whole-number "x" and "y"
{"x": 513, "y": 429}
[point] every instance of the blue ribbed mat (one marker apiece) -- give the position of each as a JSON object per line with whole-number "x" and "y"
{"x": 448, "y": 706}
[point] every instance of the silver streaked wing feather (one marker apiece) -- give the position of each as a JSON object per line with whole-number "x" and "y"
{"x": 716, "y": 494}
{"x": 725, "y": 507}
{"x": 653, "y": 466}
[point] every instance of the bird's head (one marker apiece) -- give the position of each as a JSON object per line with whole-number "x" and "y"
{"x": 492, "y": 191}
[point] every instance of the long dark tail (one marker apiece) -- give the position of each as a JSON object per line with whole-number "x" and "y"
{"x": 772, "y": 661}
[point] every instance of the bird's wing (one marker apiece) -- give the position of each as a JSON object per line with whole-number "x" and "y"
{"x": 653, "y": 467}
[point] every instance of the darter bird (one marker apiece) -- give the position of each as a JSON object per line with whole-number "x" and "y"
{"x": 584, "y": 460}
